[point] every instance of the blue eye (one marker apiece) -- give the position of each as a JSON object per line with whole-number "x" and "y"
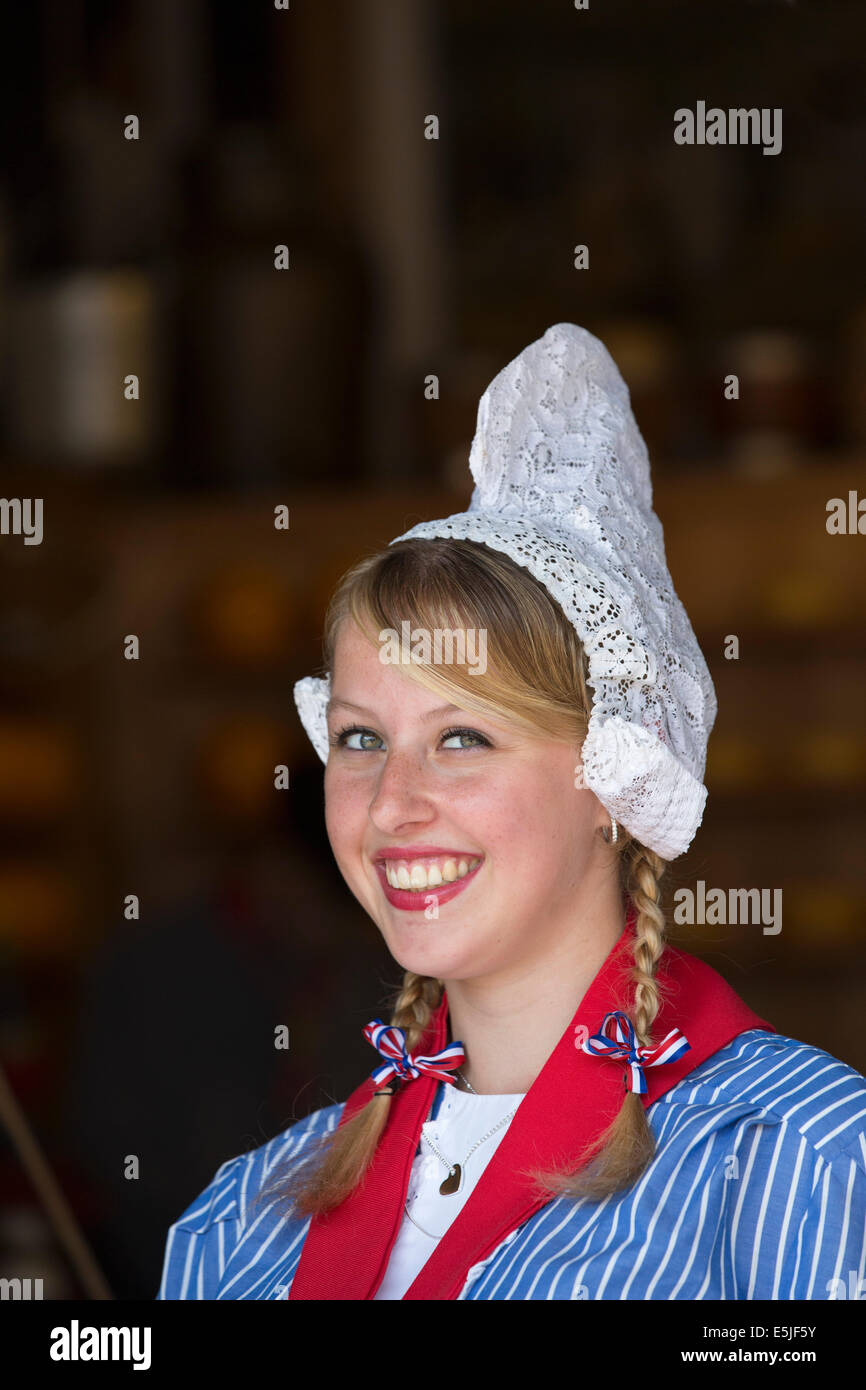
{"x": 341, "y": 738}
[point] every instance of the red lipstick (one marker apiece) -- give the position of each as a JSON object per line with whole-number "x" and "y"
{"x": 420, "y": 900}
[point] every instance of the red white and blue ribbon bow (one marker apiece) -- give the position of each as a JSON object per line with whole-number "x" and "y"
{"x": 390, "y": 1042}
{"x": 618, "y": 1040}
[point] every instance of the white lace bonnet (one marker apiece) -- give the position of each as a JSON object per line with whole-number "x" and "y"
{"x": 562, "y": 486}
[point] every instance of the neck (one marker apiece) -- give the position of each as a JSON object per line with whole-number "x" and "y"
{"x": 510, "y": 1024}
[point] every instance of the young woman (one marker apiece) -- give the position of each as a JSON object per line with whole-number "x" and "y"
{"x": 563, "y": 1107}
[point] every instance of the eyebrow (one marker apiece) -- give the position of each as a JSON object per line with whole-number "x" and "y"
{"x": 361, "y": 709}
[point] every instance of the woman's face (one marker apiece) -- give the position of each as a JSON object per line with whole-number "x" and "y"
{"x": 405, "y": 785}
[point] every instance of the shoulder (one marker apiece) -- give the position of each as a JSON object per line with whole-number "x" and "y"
{"x": 768, "y": 1135}
{"x": 200, "y": 1242}
{"x": 778, "y": 1081}
{"x": 784, "y": 1082}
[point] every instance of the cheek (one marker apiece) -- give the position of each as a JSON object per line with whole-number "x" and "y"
{"x": 544, "y": 827}
{"x": 514, "y": 819}
{"x": 344, "y": 808}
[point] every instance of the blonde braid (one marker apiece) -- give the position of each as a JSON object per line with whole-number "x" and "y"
{"x": 417, "y": 1000}
{"x": 646, "y": 870}
{"x": 616, "y": 1159}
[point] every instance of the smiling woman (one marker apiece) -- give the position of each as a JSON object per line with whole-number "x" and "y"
{"x": 547, "y": 901}
{"x": 562, "y": 1099}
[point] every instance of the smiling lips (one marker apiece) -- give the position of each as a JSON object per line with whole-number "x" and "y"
{"x": 410, "y": 879}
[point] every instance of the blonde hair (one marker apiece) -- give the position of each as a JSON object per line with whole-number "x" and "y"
{"x": 537, "y": 679}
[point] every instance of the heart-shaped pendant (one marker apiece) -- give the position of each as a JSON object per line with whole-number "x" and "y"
{"x": 452, "y": 1182}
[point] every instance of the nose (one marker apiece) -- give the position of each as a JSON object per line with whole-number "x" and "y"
{"x": 402, "y": 794}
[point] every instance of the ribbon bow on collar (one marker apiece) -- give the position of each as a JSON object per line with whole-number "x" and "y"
{"x": 618, "y": 1040}
{"x": 390, "y": 1042}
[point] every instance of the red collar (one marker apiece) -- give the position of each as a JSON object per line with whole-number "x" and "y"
{"x": 346, "y": 1252}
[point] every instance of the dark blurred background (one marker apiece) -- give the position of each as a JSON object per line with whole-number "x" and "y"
{"x": 304, "y": 387}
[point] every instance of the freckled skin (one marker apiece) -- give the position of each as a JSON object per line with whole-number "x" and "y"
{"x": 545, "y": 899}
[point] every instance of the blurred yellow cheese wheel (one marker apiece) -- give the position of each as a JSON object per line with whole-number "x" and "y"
{"x": 735, "y": 761}
{"x": 237, "y": 761}
{"x": 833, "y": 757}
{"x": 39, "y": 908}
{"x": 799, "y": 599}
{"x": 39, "y": 768}
{"x": 246, "y": 617}
{"x": 817, "y": 913}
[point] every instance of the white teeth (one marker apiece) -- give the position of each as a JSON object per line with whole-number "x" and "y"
{"x": 417, "y": 876}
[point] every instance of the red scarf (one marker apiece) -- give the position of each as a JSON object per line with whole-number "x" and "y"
{"x": 346, "y": 1251}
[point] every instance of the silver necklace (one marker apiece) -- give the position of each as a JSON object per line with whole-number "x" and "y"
{"x": 454, "y": 1181}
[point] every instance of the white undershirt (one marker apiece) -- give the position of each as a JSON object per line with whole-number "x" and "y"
{"x": 463, "y": 1118}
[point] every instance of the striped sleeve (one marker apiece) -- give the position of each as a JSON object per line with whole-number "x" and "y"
{"x": 202, "y": 1239}
{"x": 827, "y": 1260}
{"x": 797, "y": 1227}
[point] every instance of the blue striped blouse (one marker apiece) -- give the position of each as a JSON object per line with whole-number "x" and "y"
{"x": 757, "y": 1191}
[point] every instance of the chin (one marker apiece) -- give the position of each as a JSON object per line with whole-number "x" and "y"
{"x": 426, "y": 959}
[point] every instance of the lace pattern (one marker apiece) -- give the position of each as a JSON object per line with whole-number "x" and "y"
{"x": 562, "y": 486}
